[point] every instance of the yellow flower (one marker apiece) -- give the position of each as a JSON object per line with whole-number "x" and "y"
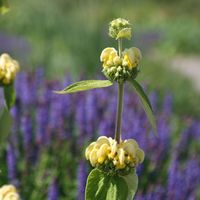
{"x": 89, "y": 149}
{"x": 125, "y": 153}
{"x": 8, "y": 192}
{"x": 130, "y": 146}
{"x": 107, "y": 56}
{"x": 131, "y": 57}
{"x": 103, "y": 150}
{"x": 8, "y": 69}
{"x": 93, "y": 157}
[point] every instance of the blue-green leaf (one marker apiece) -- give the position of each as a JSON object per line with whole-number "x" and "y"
{"x": 132, "y": 183}
{"x": 9, "y": 95}
{"x": 4, "y": 7}
{"x": 145, "y": 103}
{"x": 85, "y": 85}
{"x": 101, "y": 186}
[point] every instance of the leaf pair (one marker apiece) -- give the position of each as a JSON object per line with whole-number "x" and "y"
{"x": 92, "y": 84}
{"x": 101, "y": 186}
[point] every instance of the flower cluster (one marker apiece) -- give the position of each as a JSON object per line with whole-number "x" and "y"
{"x": 120, "y": 28}
{"x": 8, "y": 69}
{"x": 107, "y": 154}
{"x": 9, "y": 192}
{"x": 122, "y": 68}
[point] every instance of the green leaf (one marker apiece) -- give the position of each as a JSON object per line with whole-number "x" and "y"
{"x": 132, "y": 183}
{"x": 5, "y": 125}
{"x": 4, "y": 6}
{"x": 145, "y": 103}
{"x": 101, "y": 186}
{"x": 85, "y": 85}
{"x": 9, "y": 95}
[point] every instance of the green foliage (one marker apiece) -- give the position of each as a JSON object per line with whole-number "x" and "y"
{"x": 4, "y": 7}
{"x": 145, "y": 103}
{"x": 101, "y": 186}
{"x": 85, "y": 85}
{"x": 9, "y": 95}
{"x": 132, "y": 183}
{"x": 163, "y": 78}
{"x": 5, "y": 125}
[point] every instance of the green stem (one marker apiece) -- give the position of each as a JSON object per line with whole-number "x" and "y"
{"x": 119, "y": 101}
{"x": 120, "y": 47}
{"x": 119, "y": 112}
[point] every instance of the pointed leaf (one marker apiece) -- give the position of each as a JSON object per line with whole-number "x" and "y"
{"x": 132, "y": 183}
{"x": 101, "y": 186}
{"x": 85, "y": 85}
{"x": 9, "y": 95}
{"x": 145, "y": 103}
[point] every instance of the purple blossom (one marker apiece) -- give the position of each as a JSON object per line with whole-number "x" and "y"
{"x": 82, "y": 174}
{"x": 11, "y": 163}
{"x": 53, "y": 191}
{"x": 44, "y": 121}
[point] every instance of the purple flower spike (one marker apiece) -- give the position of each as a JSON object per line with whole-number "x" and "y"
{"x": 53, "y": 192}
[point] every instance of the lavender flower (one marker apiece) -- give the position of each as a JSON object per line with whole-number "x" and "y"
{"x": 48, "y": 126}
{"x": 82, "y": 173}
{"x": 53, "y": 192}
{"x": 11, "y": 163}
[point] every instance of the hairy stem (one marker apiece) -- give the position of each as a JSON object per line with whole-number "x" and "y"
{"x": 119, "y": 101}
{"x": 120, "y": 47}
{"x": 119, "y": 112}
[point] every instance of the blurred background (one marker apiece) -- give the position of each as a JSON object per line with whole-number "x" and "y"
{"x": 57, "y": 42}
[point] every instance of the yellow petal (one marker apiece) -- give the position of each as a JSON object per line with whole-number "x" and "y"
{"x": 93, "y": 157}
{"x": 106, "y": 53}
{"x": 89, "y": 149}
{"x": 6, "y": 189}
{"x": 130, "y": 146}
{"x": 140, "y": 154}
{"x": 12, "y": 196}
{"x": 103, "y": 150}
{"x": 103, "y": 140}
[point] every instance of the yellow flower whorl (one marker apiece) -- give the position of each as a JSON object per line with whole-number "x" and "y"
{"x": 121, "y": 68}
{"x": 106, "y": 150}
{"x": 8, "y": 69}
{"x": 9, "y": 192}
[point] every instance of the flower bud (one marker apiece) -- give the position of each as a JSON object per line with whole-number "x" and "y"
{"x": 8, "y": 69}
{"x": 120, "y": 28}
